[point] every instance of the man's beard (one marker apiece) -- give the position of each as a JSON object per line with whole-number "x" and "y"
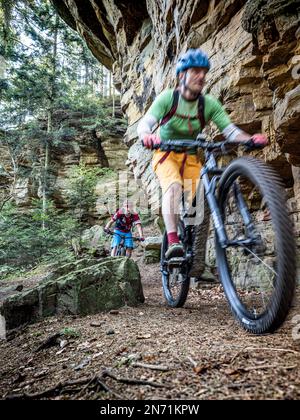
{"x": 195, "y": 89}
{"x": 193, "y": 93}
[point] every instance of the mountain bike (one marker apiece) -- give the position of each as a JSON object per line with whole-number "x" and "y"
{"x": 254, "y": 243}
{"x": 121, "y": 249}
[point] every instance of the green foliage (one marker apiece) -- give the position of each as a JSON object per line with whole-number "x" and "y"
{"x": 23, "y": 241}
{"x": 70, "y": 332}
{"x": 49, "y": 71}
{"x": 105, "y": 172}
{"x": 96, "y": 111}
{"x": 82, "y": 196}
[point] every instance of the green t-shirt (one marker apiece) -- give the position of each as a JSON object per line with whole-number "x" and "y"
{"x": 182, "y": 128}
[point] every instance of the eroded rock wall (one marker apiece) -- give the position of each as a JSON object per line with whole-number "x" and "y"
{"x": 89, "y": 146}
{"x": 253, "y": 45}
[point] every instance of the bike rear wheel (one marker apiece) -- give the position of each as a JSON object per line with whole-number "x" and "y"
{"x": 258, "y": 277}
{"x": 175, "y": 281}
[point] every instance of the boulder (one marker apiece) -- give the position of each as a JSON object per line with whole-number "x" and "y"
{"x": 92, "y": 240}
{"x": 109, "y": 284}
{"x": 153, "y": 242}
{"x": 151, "y": 256}
{"x": 152, "y": 250}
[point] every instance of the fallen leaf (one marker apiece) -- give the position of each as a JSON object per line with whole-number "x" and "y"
{"x": 95, "y": 356}
{"x": 63, "y": 344}
{"x": 122, "y": 350}
{"x": 200, "y": 369}
{"x": 143, "y": 337}
{"x": 83, "y": 364}
{"x": 41, "y": 373}
{"x": 60, "y": 351}
{"x": 231, "y": 372}
{"x": 83, "y": 346}
{"x": 97, "y": 324}
{"x": 149, "y": 357}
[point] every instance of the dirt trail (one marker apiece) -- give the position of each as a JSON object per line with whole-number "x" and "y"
{"x": 200, "y": 349}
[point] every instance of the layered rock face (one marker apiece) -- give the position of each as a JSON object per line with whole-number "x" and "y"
{"x": 87, "y": 146}
{"x": 81, "y": 288}
{"x": 254, "y": 48}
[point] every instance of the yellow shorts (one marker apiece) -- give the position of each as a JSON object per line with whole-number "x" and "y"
{"x": 171, "y": 167}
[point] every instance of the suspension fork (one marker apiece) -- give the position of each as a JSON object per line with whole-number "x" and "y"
{"x": 210, "y": 187}
{"x": 243, "y": 208}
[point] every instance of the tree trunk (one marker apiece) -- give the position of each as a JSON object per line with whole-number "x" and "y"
{"x": 46, "y": 167}
{"x": 113, "y": 98}
{"x": 49, "y": 120}
{"x": 103, "y": 82}
{"x": 110, "y": 84}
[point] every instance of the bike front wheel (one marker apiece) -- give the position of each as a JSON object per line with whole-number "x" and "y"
{"x": 121, "y": 251}
{"x": 257, "y": 266}
{"x": 175, "y": 280}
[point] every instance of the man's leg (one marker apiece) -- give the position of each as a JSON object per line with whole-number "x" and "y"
{"x": 170, "y": 207}
{"x": 129, "y": 244}
{"x": 170, "y": 178}
{"x": 113, "y": 251}
{"x": 114, "y": 244}
{"x": 170, "y": 210}
{"x": 128, "y": 252}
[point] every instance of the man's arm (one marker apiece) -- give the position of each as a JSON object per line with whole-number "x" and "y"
{"x": 112, "y": 220}
{"x": 109, "y": 224}
{"x": 155, "y": 113}
{"x": 140, "y": 230}
{"x": 230, "y": 131}
{"x": 233, "y": 133}
{"x": 146, "y": 125}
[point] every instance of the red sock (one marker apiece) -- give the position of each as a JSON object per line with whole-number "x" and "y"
{"x": 173, "y": 238}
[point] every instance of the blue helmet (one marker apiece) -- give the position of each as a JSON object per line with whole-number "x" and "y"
{"x": 192, "y": 58}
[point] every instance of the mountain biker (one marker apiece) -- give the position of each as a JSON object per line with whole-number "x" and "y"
{"x": 181, "y": 114}
{"x": 125, "y": 218}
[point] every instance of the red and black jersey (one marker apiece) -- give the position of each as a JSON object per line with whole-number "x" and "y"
{"x": 124, "y": 222}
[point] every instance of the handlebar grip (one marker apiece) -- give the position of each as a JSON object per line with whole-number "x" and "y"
{"x": 250, "y": 145}
{"x": 154, "y": 147}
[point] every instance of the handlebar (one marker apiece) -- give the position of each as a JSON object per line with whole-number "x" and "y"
{"x": 201, "y": 143}
{"x": 121, "y": 236}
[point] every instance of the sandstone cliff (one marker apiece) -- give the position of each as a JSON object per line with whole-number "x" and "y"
{"x": 254, "y": 47}
{"x": 86, "y": 145}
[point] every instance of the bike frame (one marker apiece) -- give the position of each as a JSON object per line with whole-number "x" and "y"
{"x": 210, "y": 176}
{"x": 122, "y": 243}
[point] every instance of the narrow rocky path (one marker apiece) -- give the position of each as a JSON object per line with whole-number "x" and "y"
{"x": 196, "y": 352}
